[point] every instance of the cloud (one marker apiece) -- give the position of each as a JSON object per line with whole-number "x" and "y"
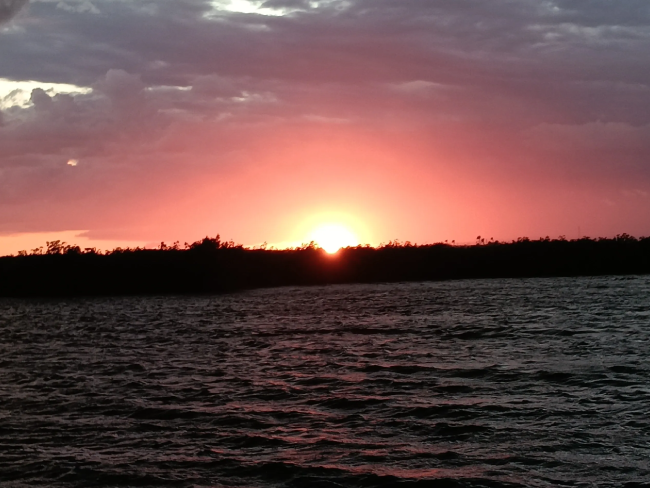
{"x": 9, "y": 9}
{"x": 81, "y": 6}
{"x": 18, "y": 93}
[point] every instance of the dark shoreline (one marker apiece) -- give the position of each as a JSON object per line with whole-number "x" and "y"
{"x": 212, "y": 266}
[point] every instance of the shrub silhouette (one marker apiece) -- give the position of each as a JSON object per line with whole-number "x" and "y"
{"x": 211, "y": 265}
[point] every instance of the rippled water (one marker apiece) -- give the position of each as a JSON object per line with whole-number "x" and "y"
{"x": 540, "y": 382}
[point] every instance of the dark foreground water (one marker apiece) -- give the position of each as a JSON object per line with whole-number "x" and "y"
{"x": 541, "y": 382}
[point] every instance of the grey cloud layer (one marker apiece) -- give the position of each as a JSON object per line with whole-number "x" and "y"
{"x": 543, "y": 52}
{"x": 550, "y": 53}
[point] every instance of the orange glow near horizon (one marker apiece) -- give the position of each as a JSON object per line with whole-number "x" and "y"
{"x": 332, "y": 237}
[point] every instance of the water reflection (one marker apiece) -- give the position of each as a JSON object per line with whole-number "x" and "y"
{"x": 531, "y": 382}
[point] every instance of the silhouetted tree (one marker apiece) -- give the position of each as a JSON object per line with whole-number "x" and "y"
{"x": 211, "y": 265}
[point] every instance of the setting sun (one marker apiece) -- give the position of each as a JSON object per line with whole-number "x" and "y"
{"x": 332, "y": 237}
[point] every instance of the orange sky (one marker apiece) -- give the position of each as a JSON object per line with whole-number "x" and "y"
{"x": 397, "y": 119}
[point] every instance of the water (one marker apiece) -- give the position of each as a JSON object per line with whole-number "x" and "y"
{"x": 541, "y": 382}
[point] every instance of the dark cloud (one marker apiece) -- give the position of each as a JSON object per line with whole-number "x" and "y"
{"x": 9, "y": 8}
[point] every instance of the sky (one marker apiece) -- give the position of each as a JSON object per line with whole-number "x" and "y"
{"x": 130, "y": 122}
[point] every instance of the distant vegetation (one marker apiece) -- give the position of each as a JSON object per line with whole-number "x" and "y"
{"x": 212, "y": 265}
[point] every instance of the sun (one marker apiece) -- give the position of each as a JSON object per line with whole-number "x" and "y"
{"x": 332, "y": 237}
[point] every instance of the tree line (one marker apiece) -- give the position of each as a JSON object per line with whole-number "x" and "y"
{"x": 211, "y": 265}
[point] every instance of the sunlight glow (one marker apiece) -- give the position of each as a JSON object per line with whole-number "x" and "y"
{"x": 247, "y": 7}
{"x": 332, "y": 237}
{"x": 258, "y": 7}
{"x": 18, "y": 93}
